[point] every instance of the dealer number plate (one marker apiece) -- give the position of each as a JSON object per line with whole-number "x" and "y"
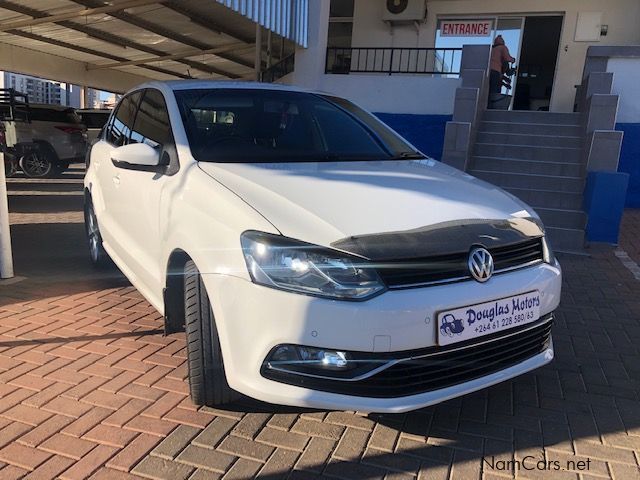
{"x": 466, "y": 323}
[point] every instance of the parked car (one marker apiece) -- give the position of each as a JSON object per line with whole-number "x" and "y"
{"x": 314, "y": 257}
{"x": 93, "y": 119}
{"x": 53, "y": 138}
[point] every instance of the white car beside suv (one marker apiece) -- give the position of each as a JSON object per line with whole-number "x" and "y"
{"x": 313, "y": 256}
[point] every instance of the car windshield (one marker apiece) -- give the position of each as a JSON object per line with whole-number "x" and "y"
{"x": 259, "y": 125}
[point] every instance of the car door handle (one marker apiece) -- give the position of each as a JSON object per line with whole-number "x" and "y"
{"x": 116, "y": 179}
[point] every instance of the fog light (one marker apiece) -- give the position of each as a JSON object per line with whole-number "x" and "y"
{"x": 335, "y": 360}
{"x": 293, "y": 355}
{"x": 286, "y": 360}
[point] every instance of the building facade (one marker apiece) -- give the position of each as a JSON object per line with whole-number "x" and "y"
{"x": 401, "y": 59}
{"x": 44, "y": 91}
{"x": 38, "y": 90}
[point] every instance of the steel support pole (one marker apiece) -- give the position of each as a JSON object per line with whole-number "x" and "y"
{"x": 258, "y": 60}
{"x": 6, "y": 258}
{"x": 84, "y": 97}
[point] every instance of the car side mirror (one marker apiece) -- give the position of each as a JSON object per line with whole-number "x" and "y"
{"x": 136, "y": 154}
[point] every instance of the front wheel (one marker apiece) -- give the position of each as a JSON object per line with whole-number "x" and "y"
{"x": 97, "y": 254}
{"x": 207, "y": 379}
{"x": 60, "y": 167}
{"x": 36, "y": 165}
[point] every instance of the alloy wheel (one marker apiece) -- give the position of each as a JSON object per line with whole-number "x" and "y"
{"x": 35, "y": 166}
{"x": 93, "y": 235}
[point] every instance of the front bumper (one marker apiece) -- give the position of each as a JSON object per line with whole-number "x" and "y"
{"x": 252, "y": 319}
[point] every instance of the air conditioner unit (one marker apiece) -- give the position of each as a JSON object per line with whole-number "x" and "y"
{"x": 404, "y": 10}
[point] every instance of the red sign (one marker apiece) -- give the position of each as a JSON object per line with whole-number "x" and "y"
{"x": 466, "y": 28}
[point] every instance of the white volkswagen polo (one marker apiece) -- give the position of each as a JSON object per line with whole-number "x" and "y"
{"x": 312, "y": 255}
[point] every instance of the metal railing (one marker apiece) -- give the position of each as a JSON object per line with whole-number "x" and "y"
{"x": 429, "y": 61}
{"x": 14, "y": 105}
{"x": 279, "y": 70}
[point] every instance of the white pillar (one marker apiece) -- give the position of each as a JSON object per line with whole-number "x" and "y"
{"x": 310, "y": 62}
{"x": 83, "y": 97}
{"x": 6, "y": 258}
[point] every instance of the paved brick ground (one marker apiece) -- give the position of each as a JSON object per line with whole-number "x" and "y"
{"x": 630, "y": 234}
{"x": 89, "y": 387}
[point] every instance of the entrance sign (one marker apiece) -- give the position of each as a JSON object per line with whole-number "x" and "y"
{"x": 466, "y": 28}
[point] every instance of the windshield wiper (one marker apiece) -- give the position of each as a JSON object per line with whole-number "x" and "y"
{"x": 408, "y": 156}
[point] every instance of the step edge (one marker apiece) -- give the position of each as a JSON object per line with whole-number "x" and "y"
{"x": 580, "y": 230}
{"x": 529, "y": 174}
{"x": 530, "y": 134}
{"x": 529, "y": 146}
{"x": 541, "y": 191}
{"x": 513, "y": 159}
{"x": 564, "y": 210}
{"x": 532, "y": 123}
{"x": 493, "y": 111}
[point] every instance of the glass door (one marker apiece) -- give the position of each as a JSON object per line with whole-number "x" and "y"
{"x": 511, "y": 29}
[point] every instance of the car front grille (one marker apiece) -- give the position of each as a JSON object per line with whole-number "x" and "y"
{"x": 435, "y": 368}
{"x": 452, "y": 268}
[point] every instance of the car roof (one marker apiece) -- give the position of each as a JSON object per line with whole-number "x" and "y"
{"x": 195, "y": 84}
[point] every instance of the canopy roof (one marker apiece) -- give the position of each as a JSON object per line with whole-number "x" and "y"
{"x": 123, "y": 42}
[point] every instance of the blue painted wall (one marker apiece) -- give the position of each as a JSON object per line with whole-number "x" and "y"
{"x": 425, "y": 132}
{"x": 604, "y": 199}
{"x": 630, "y": 160}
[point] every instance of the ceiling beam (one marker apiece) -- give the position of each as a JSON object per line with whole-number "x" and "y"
{"x": 29, "y": 61}
{"x": 163, "y": 31}
{"x": 78, "y": 48}
{"x": 108, "y": 38}
{"x": 52, "y": 18}
{"x": 207, "y": 23}
{"x": 188, "y": 53}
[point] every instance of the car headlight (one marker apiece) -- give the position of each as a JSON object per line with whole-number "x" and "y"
{"x": 547, "y": 253}
{"x": 279, "y": 262}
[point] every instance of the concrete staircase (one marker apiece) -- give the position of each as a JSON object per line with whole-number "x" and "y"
{"x": 544, "y": 157}
{"x": 537, "y": 156}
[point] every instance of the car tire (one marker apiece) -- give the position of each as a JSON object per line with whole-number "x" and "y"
{"x": 10, "y": 165}
{"x": 97, "y": 254}
{"x": 37, "y": 165}
{"x": 60, "y": 167}
{"x": 207, "y": 380}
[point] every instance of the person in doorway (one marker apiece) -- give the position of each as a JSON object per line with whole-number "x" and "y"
{"x": 500, "y": 58}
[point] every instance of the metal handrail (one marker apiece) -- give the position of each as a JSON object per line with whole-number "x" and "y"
{"x": 14, "y": 105}
{"x": 279, "y": 70}
{"x": 410, "y": 60}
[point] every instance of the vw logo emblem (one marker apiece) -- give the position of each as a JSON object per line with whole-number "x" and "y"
{"x": 480, "y": 264}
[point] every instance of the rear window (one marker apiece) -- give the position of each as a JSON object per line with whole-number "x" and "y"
{"x": 94, "y": 119}
{"x": 54, "y": 115}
